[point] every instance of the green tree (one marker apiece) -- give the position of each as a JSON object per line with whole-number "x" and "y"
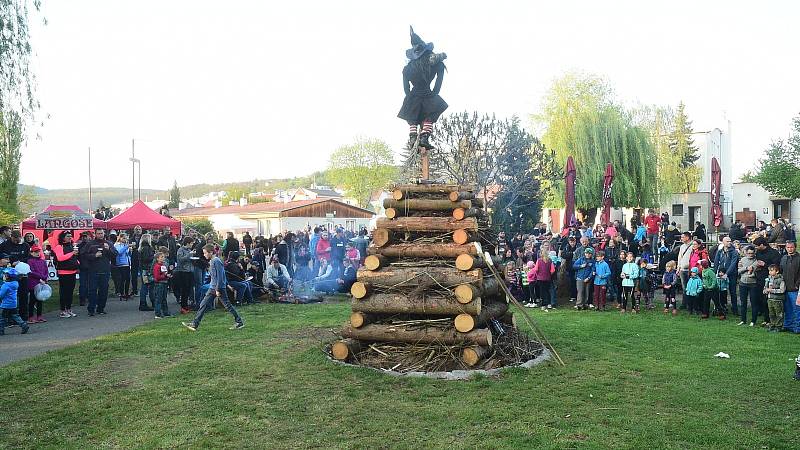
{"x": 779, "y": 170}
{"x": 362, "y": 168}
{"x": 581, "y": 119}
{"x": 686, "y": 154}
{"x": 10, "y": 156}
{"x": 17, "y": 96}
{"x": 201, "y": 226}
{"x": 174, "y": 196}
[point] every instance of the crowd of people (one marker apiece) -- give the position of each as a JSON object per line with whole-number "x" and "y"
{"x": 148, "y": 264}
{"x": 754, "y": 268}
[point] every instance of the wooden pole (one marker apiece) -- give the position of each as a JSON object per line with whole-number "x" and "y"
{"x": 426, "y": 224}
{"x": 359, "y": 319}
{"x": 410, "y": 250}
{"x": 473, "y": 355}
{"x": 422, "y": 204}
{"x": 430, "y": 305}
{"x": 405, "y": 277}
{"x": 427, "y": 335}
{"x": 467, "y": 322}
{"x": 375, "y": 262}
{"x": 359, "y": 289}
{"x": 424, "y": 163}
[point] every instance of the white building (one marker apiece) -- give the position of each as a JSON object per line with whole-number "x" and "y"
{"x": 752, "y": 203}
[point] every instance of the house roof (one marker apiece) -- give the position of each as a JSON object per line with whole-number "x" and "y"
{"x": 255, "y": 208}
{"x": 324, "y": 192}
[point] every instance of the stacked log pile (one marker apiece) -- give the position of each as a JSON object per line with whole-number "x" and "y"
{"x": 424, "y": 281}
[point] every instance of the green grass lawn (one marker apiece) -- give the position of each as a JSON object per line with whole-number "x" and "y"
{"x": 645, "y": 381}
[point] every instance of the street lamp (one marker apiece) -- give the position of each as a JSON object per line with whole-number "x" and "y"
{"x": 134, "y": 161}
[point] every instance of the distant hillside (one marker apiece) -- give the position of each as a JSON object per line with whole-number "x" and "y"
{"x": 108, "y": 196}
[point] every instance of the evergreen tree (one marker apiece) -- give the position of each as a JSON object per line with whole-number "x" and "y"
{"x": 174, "y": 196}
{"x": 779, "y": 171}
{"x": 681, "y": 144}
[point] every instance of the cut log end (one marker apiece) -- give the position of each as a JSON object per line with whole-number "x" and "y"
{"x": 464, "y": 323}
{"x": 397, "y": 194}
{"x": 473, "y": 355}
{"x": 374, "y": 262}
{"x": 453, "y": 196}
{"x": 381, "y": 237}
{"x": 359, "y": 319}
{"x": 391, "y": 213}
{"x": 344, "y": 349}
{"x": 460, "y": 237}
{"x": 359, "y": 289}
{"x": 465, "y": 293}
{"x": 465, "y": 262}
{"x": 459, "y": 213}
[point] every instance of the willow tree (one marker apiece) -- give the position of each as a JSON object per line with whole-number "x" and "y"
{"x": 17, "y": 99}
{"x": 582, "y": 120}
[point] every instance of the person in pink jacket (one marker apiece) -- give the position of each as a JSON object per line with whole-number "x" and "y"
{"x": 38, "y": 275}
{"x": 541, "y": 275}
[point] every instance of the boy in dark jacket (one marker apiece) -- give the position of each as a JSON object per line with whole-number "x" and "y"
{"x": 216, "y": 290}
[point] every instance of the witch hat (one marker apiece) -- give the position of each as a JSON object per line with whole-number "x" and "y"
{"x": 418, "y": 46}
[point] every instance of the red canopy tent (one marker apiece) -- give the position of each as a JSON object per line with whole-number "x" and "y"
{"x": 569, "y": 193}
{"x": 608, "y": 183}
{"x": 29, "y": 225}
{"x": 141, "y": 215}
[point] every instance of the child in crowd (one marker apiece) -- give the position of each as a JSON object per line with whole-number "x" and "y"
{"x": 710, "y": 288}
{"x": 602, "y": 273}
{"x": 522, "y": 275}
{"x": 643, "y": 286}
{"x": 616, "y": 276}
{"x": 512, "y": 281}
{"x": 530, "y": 276}
{"x": 543, "y": 271}
{"x": 647, "y": 254}
{"x": 694, "y": 289}
{"x": 584, "y": 267}
{"x": 630, "y": 272}
{"x": 38, "y": 275}
{"x": 161, "y": 278}
{"x": 668, "y": 283}
{"x": 775, "y": 289}
{"x": 8, "y": 302}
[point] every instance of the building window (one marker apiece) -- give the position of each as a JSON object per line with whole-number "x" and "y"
{"x": 350, "y": 225}
{"x": 677, "y": 210}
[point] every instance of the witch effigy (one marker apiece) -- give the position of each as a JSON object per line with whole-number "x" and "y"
{"x": 422, "y": 106}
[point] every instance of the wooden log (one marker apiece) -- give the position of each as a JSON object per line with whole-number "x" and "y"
{"x": 428, "y": 335}
{"x": 509, "y": 319}
{"x": 466, "y": 322}
{"x": 415, "y": 276}
{"x": 345, "y": 349}
{"x": 469, "y": 262}
{"x": 466, "y": 293}
{"x": 473, "y": 355}
{"x": 431, "y": 305}
{"x": 455, "y": 196}
{"x": 391, "y": 213}
{"x": 429, "y": 224}
{"x": 461, "y": 213}
{"x": 360, "y": 289}
{"x": 461, "y": 237}
{"x": 359, "y": 319}
{"x": 422, "y": 204}
{"x": 448, "y": 250}
{"x": 375, "y": 262}
{"x": 402, "y": 191}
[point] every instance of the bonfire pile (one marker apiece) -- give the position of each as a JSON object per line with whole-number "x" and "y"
{"x": 425, "y": 299}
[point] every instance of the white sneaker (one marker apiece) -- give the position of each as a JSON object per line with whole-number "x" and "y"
{"x": 549, "y": 306}
{"x": 752, "y": 324}
{"x": 740, "y": 323}
{"x": 544, "y": 309}
{"x": 530, "y": 305}
{"x": 591, "y": 306}
{"x": 72, "y": 313}
{"x": 572, "y": 300}
{"x": 64, "y": 315}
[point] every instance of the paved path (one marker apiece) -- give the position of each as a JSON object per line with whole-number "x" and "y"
{"x": 59, "y": 333}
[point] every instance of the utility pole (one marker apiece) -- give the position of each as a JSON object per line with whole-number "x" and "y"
{"x": 90, "y": 178}
{"x": 135, "y": 161}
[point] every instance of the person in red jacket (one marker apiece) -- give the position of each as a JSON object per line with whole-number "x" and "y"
{"x": 161, "y": 278}
{"x": 653, "y": 225}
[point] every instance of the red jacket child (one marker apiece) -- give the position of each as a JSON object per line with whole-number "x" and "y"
{"x": 160, "y": 272}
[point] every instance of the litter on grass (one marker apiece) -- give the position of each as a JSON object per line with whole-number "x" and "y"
{"x": 723, "y": 355}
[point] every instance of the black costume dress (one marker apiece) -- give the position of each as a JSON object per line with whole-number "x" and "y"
{"x": 421, "y": 103}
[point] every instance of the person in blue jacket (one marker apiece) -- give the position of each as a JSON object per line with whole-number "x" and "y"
{"x": 584, "y": 267}
{"x": 602, "y": 273}
{"x": 217, "y": 290}
{"x": 8, "y": 302}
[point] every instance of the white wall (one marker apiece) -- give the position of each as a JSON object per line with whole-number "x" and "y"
{"x": 758, "y": 199}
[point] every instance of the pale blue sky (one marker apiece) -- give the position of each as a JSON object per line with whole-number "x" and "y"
{"x": 275, "y": 86}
